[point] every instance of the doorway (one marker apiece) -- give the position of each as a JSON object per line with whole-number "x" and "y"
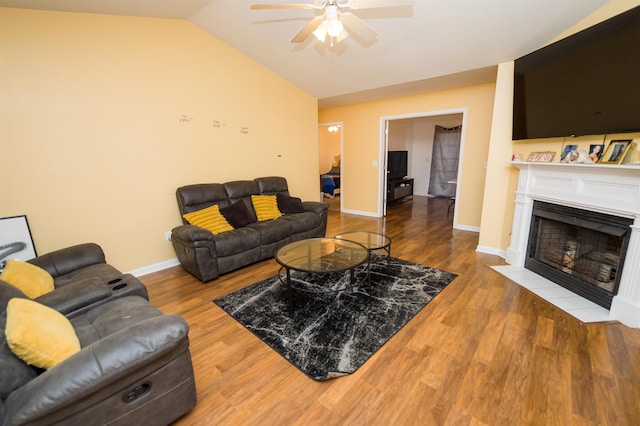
{"x": 414, "y": 132}
{"x": 330, "y": 161}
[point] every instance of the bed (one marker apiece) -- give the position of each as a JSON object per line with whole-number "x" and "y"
{"x": 330, "y": 182}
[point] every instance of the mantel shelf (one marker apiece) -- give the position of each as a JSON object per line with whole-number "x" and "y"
{"x": 594, "y": 166}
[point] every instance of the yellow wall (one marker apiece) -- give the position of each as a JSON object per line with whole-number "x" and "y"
{"x": 103, "y": 117}
{"x": 361, "y": 125}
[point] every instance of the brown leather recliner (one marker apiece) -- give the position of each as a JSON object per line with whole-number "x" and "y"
{"x": 134, "y": 366}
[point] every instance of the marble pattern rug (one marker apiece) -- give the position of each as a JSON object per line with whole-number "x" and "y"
{"x": 327, "y": 335}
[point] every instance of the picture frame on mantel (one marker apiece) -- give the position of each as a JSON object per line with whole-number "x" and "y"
{"x": 541, "y": 156}
{"x": 616, "y": 151}
{"x": 15, "y": 239}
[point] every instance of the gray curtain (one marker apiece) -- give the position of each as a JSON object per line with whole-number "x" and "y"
{"x": 444, "y": 161}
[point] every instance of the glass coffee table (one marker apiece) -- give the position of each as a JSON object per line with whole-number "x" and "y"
{"x": 320, "y": 256}
{"x": 372, "y": 241}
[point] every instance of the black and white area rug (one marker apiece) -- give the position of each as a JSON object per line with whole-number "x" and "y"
{"x": 332, "y": 334}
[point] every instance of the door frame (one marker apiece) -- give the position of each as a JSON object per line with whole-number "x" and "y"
{"x": 382, "y": 154}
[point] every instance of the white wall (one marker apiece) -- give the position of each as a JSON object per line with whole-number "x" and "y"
{"x": 416, "y": 136}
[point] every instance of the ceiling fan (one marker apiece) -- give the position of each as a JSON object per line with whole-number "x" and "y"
{"x": 336, "y": 21}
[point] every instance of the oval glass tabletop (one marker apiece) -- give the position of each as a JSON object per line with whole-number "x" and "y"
{"x": 322, "y": 255}
{"x": 371, "y": 240}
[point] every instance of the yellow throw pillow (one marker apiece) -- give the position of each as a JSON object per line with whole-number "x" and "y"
{"x": 210, "y": 219}
{"x": 266, "y": 207}
{"x": 30, "y": 279}
{"x": 38, "y": 334}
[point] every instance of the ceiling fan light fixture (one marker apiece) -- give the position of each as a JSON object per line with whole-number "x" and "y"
{"x": 334, "y": 26}
{"x": 321, "y": 32}
{"x": 332, "y": 22}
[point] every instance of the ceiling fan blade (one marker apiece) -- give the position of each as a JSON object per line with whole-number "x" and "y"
{"x": 308, "y": 29}
{"x": 283, "y": 6}
{"x": 371, "y": 4}
{"x": 357, "y": 27}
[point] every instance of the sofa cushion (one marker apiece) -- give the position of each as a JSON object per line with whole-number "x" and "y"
{"x": 289, "y": 205}
{"x": 69, "y": 259}
{"x": 273, "y": 231}
{"x": 30, "y": 279}
{"x": 237, "y": 214}
{"x": 272, "y": 185}
{"x": 39, "y": 335}
{"x": 112, "y": 317}
{"x": 302, "y": 222}
{"x": 196, "y": 197}
{"x": 237, "y": 241}
{"x": 210, "y": 219}
{"x": 266, "y": 207}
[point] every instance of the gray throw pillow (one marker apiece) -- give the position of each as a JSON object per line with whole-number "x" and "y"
{"x": 237, "y": 214}
{"x": 289, "y": 205}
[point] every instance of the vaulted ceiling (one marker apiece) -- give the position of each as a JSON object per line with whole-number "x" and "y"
{"x": 431, "y": 44}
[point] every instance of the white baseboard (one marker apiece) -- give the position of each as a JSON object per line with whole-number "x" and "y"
{"x": 491, "y": 250}
{"x": 138, "y": 272}
{"x": 467, "y": 228}
{"x": 360, "y": 213}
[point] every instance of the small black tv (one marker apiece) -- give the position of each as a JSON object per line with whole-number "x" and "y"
{"x": 585, "y": 84}
{"x": 397, "y": 164}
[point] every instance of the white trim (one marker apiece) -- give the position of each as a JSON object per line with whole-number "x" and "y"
{"x": 360, "y": 213}
{"x": 382, "y": 152}
{"x": 144, "y": 270}
{"x": 609, "y": 189}
{"x": 491, "y": 250}
{"x": 467, "y": 228}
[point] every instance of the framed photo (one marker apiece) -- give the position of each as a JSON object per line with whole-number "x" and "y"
{"x": 541, "y": 157}
{"x": 596, "y": 151}
{"x": 15, "y": 239}
{"x": 567, "y": 149}
{"x": 616, "y": 151}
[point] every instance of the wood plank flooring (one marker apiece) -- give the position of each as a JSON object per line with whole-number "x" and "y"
{"x": 483, "y": 352}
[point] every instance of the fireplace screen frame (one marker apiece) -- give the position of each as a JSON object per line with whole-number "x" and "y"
{"x": 609, "y": 224}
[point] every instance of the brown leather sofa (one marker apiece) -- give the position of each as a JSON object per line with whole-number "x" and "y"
{"x": 134, "y": 365}
{"x": 207, "y": 256}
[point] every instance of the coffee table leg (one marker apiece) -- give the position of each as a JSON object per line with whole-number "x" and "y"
{"x": 289, "y": 290}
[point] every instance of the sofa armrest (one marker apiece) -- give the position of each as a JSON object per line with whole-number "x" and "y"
{"x": 192, "y": 233}
{"x": 63, "y": 261}
{"x": 316, "y": 207}
{"x": 76, "y": 295}
{"x": 124, "y": 354}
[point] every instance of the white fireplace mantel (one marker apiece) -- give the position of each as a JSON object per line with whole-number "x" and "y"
{"x": 609, "y": 189}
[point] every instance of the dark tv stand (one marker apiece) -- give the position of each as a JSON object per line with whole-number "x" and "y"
{"x": 399, "y": 189}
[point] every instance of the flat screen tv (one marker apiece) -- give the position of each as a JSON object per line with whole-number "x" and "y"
{"x": 397, "y": 164}
{"x": 585, "y": 84}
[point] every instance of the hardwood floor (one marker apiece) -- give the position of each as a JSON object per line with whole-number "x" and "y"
{"x": 484, "y": 351}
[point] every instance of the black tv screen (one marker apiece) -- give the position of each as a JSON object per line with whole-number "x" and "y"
{"x": 397, "y": 164}
{"x": 585, "y": 84}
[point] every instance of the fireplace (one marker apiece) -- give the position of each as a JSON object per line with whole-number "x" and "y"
{"x": 607, "y": 261}
{"x": 580, "y": 250}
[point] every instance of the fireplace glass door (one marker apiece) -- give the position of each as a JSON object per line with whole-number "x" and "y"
{"x": 580, "y": 250}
